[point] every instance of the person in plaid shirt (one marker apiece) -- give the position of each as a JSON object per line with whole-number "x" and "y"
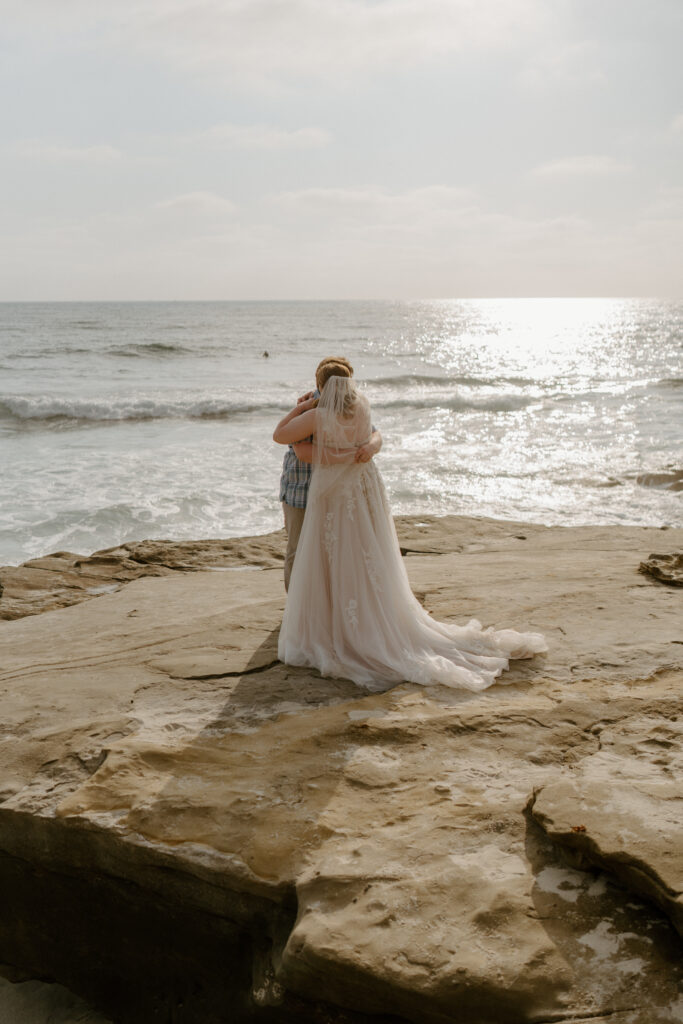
{"x": 297, "y": 465}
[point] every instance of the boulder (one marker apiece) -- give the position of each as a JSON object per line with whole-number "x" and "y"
{"x": 667, "y": 568}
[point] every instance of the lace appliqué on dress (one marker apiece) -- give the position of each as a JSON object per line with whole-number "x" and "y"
{"x": 373, "y": 573}
{"x": 352, "y": 612}
{"x": 329, "y": 536}
{"x": 350, "y": 505}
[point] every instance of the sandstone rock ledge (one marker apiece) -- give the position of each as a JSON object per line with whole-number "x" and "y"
{"x": 192, "y": 832}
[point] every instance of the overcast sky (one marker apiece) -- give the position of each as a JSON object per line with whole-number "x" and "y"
{"x": 232, "y": 149}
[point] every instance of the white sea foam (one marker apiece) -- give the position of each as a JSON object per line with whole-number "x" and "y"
{"x": 116, "y": 408}
{"x": 43, "y": 407}
{"x": 460, "y": 403}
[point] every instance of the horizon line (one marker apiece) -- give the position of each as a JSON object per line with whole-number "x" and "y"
{"x": 450, "y": 298}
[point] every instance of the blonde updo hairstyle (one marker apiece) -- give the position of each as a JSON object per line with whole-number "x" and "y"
{"x": 335, "y": 366}
{"x": 332, "y": 366}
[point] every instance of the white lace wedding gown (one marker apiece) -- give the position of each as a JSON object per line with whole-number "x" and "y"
{"x": 350, "y": 611}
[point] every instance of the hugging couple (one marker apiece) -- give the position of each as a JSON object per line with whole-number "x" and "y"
{"x": 350, "y": 611}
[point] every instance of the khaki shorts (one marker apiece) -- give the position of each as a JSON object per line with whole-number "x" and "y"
{"x": 294, "y": 520}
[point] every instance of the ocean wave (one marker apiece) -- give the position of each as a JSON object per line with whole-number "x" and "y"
{"x": 68, "y": 350}
{"x": 417, "y": 380}
{"x": 36, "y": 409}
{"x": 460, "y": 403}
{"x": 133, "y": 350}
{"x": 24, "y": 410}
{"x": 667, "y": 480}
{"x": 143, "y": 350}
{"x": 563, "y": 390}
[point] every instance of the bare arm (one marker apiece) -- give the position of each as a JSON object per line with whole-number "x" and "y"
{"x": 306, "y": 452}
{"x": 330, "y": 457}
{"x": 303, "y": 451}
{"x": 369, "y": 450}
{"x": 298, "y": 424}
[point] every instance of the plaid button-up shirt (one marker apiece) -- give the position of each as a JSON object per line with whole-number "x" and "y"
{"x": 295, "y": 480}
{"x": 296, "y": 476}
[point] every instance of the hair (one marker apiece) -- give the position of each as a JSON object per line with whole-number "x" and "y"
{"x": 332, "y": 366}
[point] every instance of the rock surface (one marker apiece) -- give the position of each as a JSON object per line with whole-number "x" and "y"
{"x": 64, "y": 578}
{"x": 667, "y": 568}
{"x": 622, "y": 808}
{"x": 26, "y": 1001}
{"x": 670, "y": 480}
{"x": 410, "y": 854}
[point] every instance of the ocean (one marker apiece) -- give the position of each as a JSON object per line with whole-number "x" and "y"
{"x": 133, "y": 420}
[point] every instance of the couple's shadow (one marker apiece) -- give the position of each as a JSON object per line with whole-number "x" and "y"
{"x": 267, "y": 689}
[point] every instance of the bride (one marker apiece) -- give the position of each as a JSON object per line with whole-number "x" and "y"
{"x": 350, "y": 611}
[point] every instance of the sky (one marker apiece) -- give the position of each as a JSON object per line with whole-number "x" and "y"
{"x": 332, "y": 149}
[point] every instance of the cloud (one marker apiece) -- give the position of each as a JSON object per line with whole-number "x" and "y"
{"x": 415, "y": 241}
{"x": 369, "y": 242}
{"x": 273, "y": 40}
{"x": 295, "y": 39}
{"x": 261, "y": 137}
{"x": 40, "y": 149}
{"x": 580, "y": 166}
{"x": 199, "y": 204}
{"x": 372, "y": 206}
{"x": 665, "y": 204}
{"x": 676, "y": 126}
{"x": 563, "y": 64}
